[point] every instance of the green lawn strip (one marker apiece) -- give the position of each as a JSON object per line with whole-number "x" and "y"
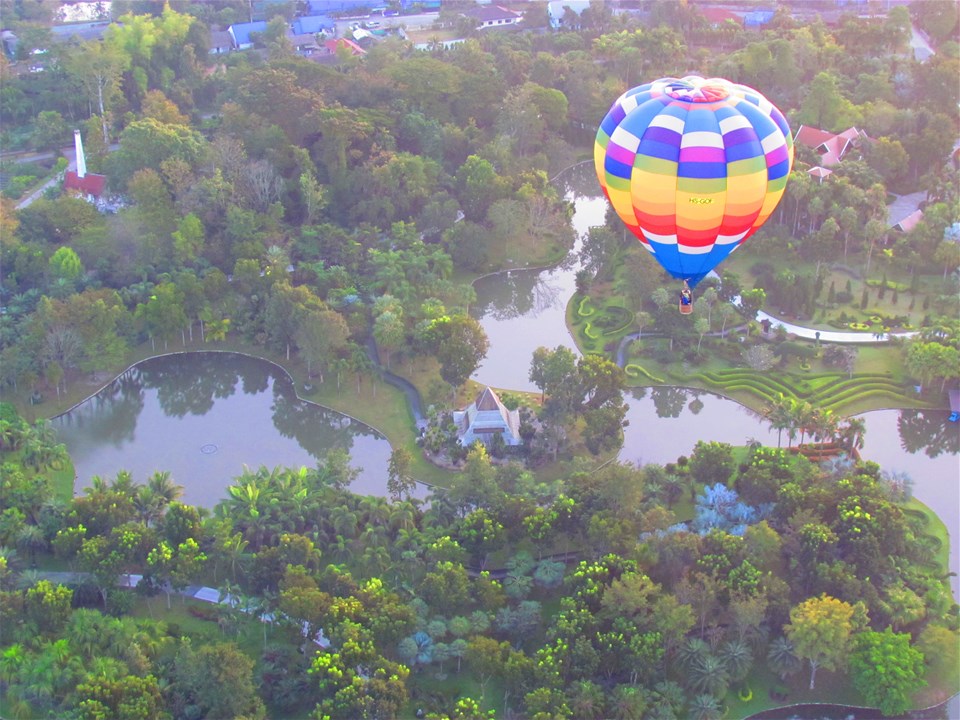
{"x": 62, "y": 481}
{"x": 936, "y": 528}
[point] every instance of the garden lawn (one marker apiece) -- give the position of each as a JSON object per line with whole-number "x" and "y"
{"x": 833, "y": 688}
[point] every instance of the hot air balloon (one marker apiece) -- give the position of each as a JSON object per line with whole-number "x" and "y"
{"x": 693, "y": 167}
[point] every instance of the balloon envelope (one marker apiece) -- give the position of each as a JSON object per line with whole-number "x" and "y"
{"x": 693, "y": 167}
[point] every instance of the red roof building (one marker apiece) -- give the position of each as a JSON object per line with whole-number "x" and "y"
{"x": 909, "y": 222}
{"x": 718, "y": 17}
{"x": 332, "y": 45}
{"x": 832, "y": 148}
{"x": 91, "y": 186}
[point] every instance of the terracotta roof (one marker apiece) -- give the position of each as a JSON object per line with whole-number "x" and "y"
{"x": 909, "y": 222}
{"x": 89, "y": 184}
{"x": 719, "y": 16}
{"x": 832, "y": 147}
{"x": 811, "y": 136}
{"x": 332, "y": 46}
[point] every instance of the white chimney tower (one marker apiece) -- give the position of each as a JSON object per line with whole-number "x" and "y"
{"x": 81, "y": 160}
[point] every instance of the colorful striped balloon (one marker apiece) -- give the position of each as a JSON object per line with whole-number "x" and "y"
{"x": 693, "y": 166}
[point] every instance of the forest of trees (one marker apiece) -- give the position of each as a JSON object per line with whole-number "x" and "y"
{"x": 308, "y": 208}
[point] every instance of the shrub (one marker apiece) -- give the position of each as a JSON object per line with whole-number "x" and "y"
{"x": 796, "y": 349}
{"x": 843, "y": 297}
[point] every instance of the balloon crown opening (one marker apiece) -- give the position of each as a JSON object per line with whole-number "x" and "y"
{"x": 701, "y": 91}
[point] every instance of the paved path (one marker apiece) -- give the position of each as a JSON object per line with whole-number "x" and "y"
{"x": 831, "y": 335}
{"x": 38, "y": 193}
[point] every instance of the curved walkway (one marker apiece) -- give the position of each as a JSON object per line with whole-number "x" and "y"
{"x": 831, "y": 335}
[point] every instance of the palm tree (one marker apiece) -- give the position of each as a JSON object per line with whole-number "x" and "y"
{"x": 692, "y": 651}
{"x": 779, "y": 414}
{"x": 164, "y": 488}
{"x": 708, "y": 674}
{"x": 234, "y": 549}
{"x": 705, "y": 707}
{"x": 823, "y": 424}
{"x": 851, "y": 433}
{"x": 30, "y": 539}
{"x": 781, "y": 657}
{"x": 147, "y": 505}
{"x": 804, "y": 417}
{"x": 738, "y": 658}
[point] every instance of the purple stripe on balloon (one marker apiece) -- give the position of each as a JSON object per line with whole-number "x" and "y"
{"x": 664, "y": 135}
{"x": 776, "y": 155}
{"x": 702, "y": 154}
{"x": 738, "y": 136}
{"x": 620, "y": 154}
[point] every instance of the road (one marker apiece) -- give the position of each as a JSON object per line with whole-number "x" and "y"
{"x": 38, "y": 192}
{"x": 411, "y": 22}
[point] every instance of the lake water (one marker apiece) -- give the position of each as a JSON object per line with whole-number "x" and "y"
{"x": 523, "y": 310}
{"x": 203, "y": 417}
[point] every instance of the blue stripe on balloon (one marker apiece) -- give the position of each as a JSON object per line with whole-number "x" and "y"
{"x": 702, "y": 170}
{"x": 660, "y": 150}
{"x": 743, "y": 150}
{"x": 617, "y": 168}
{"x": 701, "y": 120}
{"x": 777, "y": 171}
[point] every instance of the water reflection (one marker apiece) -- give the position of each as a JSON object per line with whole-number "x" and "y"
{"x": 202, "y": 417}
{"x": 522, "y": 310}
{"x": 667, "y": 422}
{"x": 928, "y": 431}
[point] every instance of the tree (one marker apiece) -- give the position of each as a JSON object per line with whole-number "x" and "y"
{"x": 65, "y": 265}
{"x": 50, "y": 131}
{"x": 460, "y": 344}
{"x": 48, "y": 606}
{"x": 603, "y": 427}
{"x": 712, "y": 462}
{"x": 188, "y": 239}
{"x": 821, "y": 631}
{"x": 322, "y": 334}
{"x": 399, "y": 481}
{"x": 216, "y": 680}
{"x": 486, "y": 658}
{"x": 128, "y": 697}
{"x": 887, "y": 669}
{"x": 97, "y": 67}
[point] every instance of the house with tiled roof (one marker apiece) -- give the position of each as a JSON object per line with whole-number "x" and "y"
{"x": 221, "y": 42}
{"x": 493, "y": 16}
{"x": 718, "y": 17}
{"x": 909, "y": 222}
{"x": 832, "y": 148}
{"x": 330, "y": 46}
{"x": 486, "y": 418}
{"x": 242, "y": 32}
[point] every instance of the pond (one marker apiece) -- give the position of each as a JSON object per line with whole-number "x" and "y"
{"x": 523, "y": 310}
{"x": 666, "y": 422}
{"x": 203, "y": 416}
